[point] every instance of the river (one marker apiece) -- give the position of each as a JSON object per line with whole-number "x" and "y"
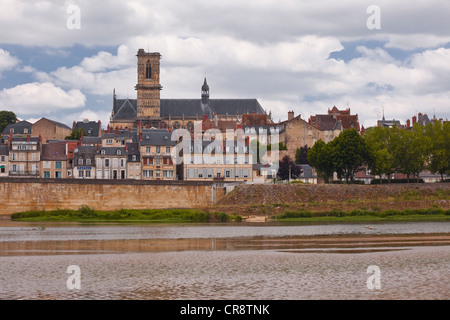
{"x": 236, "y": 261}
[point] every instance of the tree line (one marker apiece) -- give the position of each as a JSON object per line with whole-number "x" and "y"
{"x": 384, "y": 151}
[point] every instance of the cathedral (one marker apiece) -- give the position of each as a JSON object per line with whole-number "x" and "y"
{"x": 149, "y": 111}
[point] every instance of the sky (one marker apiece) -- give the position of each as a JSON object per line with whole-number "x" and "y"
{"x": 63, "y": 59}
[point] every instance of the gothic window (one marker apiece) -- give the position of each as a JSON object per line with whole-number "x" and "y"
{"x": 176, "y": 125}
{"x": 148, "y": 70}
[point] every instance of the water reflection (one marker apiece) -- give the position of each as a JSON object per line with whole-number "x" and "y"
{"x": 224, "y": 261}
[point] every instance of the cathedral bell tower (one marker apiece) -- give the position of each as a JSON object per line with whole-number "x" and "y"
{"x": 148, "y": 86}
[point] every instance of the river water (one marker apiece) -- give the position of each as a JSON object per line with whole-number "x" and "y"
{"x": 225, "y": 261}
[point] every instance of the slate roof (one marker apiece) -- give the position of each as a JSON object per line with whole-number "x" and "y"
{"x": 94, "y": 127}
{"x": 4, "y": 150}
{"x": 18, "y": 127}
{"x": 133, "y": 150}
{"x": 157, "y": 137}
{"x": 112, "y": 151}
{"x": 126, "y": 109}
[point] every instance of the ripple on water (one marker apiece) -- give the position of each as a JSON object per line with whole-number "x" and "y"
{"x": 420, "y": 273}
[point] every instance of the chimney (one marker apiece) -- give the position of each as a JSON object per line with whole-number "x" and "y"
{"x": 10, "y": 137}
{"x": 408, "y": 123}
{"x": 414, "y": 120}
{"x": 290, "y": 115}
{"x": 140, "y": 136}
{"x": 117, "y": 130}
{"x": 28, "y": 137}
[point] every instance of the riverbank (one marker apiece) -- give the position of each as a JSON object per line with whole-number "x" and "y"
{"x": 291, "y": 202}
{"x": 327, "y": 201}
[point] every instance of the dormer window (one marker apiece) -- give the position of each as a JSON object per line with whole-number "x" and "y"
{"x": 103, "y": 151}
{"x": 119, "y": 152}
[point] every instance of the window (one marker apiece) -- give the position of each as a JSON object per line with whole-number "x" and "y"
{"x": 227, "y": 173}
{"x": 14, "y": 168}
{"x": 218, "y": 174}
{"x": 80, "y": 161}
{"x": 133, "y": 157}
{"x": 58, "y": 165}
{"x": 122, "y": 163}
{"x": 88, "y": 162}
{"x": 13, "y": 156}
{"x": 80, "y": 174}
{"x": 148, "y": 173}
{"x": 58, "y": 174}
{"x": 88, "y": 174}
{"x": 109, "y": 141}
{"x": 148, "y": 150}
{"x": 46, "y": 174}
{"x": 158, "y": 174}
{"x": 119, "y": 152}
{"x": 2, "y": 158}
{"x": 106, "y": 162}
{"x": 158, "y": 161}
{"x": 46, "y": 164}
{"x": 148, "y": 70}
{"x": 168, "y": 150}
{"x": 103, "y": 151}
{"x": 158, "y": 149}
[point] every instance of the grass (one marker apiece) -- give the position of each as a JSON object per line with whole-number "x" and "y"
{"x": 361, "y": 215}
{"x": 86, "y": 214}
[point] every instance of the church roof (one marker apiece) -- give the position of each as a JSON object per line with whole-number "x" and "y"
{"x": 125, "y": 109}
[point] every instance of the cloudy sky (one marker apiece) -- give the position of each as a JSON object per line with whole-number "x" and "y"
{"x": 62, "y": 59}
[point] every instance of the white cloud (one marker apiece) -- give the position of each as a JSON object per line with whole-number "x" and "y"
{"x": 40, "y": 98}
{"x": 7, "y": 61}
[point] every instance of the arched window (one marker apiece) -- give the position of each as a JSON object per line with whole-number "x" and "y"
{"x": 148, "y": 70}
{"x": 119, "y": 152}
{"x": 103, "y": 151}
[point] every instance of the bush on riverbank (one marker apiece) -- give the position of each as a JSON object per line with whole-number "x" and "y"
{"x": 363, "y": 213}
{"x": 85, "y": 213}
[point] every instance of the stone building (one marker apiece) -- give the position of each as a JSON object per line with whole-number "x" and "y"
{"x": 24, "y": 156}
{"x": 84, "y": 162}
{"x": 149, "y": 110}
{"x": 54, "y": 160}
{"x": 50, "y": 130}
{"x": 111, "y": 163}
{"x": 133, "y": 161}
{"x": 156, "y": 149}
{"x": 296, "y": 133}
{"x": 214, "y": 160}
{"x": 4, "y": 163}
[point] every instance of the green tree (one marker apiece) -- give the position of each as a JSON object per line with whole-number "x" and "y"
{"x": 439, "y": 151}
{"x": 351, "y": 154}
{"x": 76, "y": 134}
{"x": 379, "y": 141}
{"x": 321, "y": 156}
{"x": 411, "y": 151}
{"x": 6, "y": 118}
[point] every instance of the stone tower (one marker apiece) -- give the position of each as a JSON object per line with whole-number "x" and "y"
{"x": 148, "y": 86}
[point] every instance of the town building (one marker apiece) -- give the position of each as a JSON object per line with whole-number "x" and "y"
{"x": 133, "y": 161}
{"x": 111, "y": 163}
{"x": 157, "y": 150}
{"x": 50, "y": 130}
{"x": 54, "y": 160}
{"x": 84, "y": 162}
{"x": 24, "y": 156}
{"x": 4, "y": 160}
{"x": 227, "y": 160}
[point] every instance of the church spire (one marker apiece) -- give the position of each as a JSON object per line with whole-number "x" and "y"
{"x": 205, "y": 92}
